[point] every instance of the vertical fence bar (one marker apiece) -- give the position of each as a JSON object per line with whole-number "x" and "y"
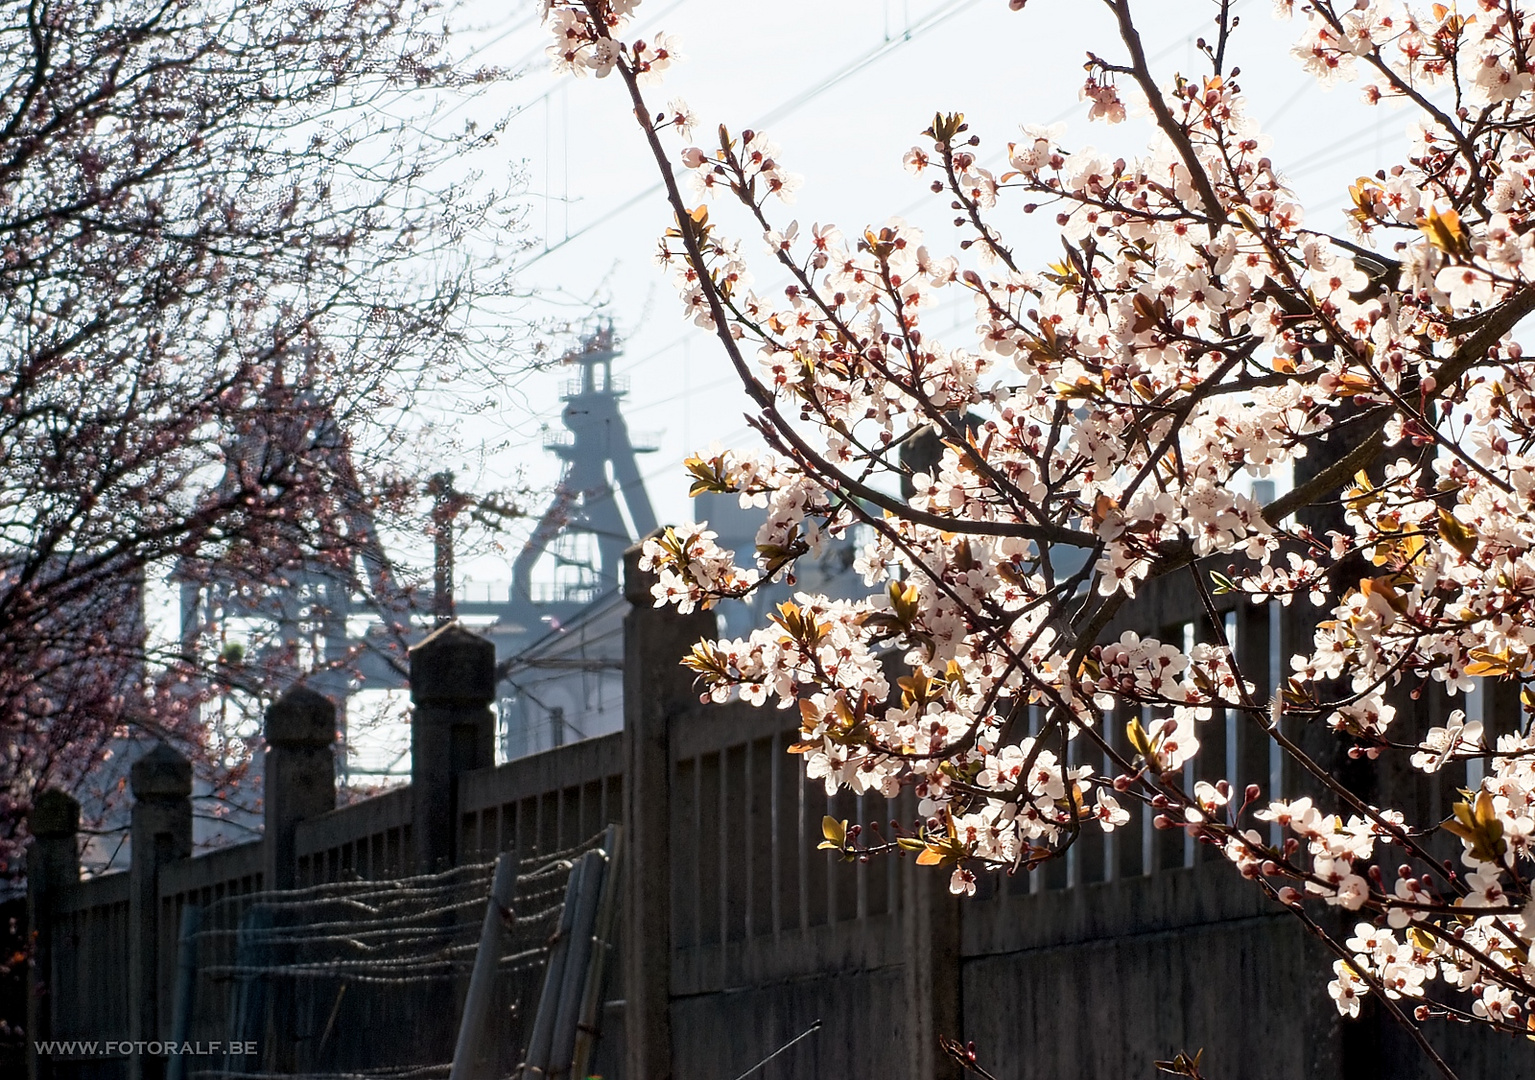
{"x": 803, "y": 847}
{"x": 1252, "y": 652}
{"x": 829, "y": 865}
{"x": 696, "y": 856}
{"x": 722, "y": 810}
{"x": 1213, "y": 751}
{"x": 775, "y": 838}
{"x": 761, "y": 891}
{"x": 749, "y": 838}
{"x": 684, "y": 870}
{"x": 1276, "y": 763}
{"x": 1110, "y": 844}
{"x": 860, "y": 874}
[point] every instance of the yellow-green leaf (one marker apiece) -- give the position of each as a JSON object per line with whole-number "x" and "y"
{"x": 1457, "y": 533}
{"x": 1444, "y": 231}
{"x": 1478, "y": 825}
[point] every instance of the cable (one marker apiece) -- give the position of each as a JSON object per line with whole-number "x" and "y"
{"x": 527, "y": 58}
{"x": 811, "y": 1030}
{"x": 931, "y": 22}
{"x": 778, "y": 113}
{"x": 909, "y": 208}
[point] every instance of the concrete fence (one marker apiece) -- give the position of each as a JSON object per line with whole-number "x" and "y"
{"x": 737, "y": 935}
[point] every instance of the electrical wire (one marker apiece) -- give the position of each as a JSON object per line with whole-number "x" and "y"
{"x": 779, "y": 112}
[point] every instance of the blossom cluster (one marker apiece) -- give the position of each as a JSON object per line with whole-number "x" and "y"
{"x": 1110, "y": 423}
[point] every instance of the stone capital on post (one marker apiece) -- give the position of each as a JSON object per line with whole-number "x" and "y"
{"x": 160, "y": 833}
{"x": 299, "y": 778}
{"x": 452, "y": 731}
{"x": 53, "y": 865}
{"x": 657, "y": 688}
{"x": 54, "y": 815}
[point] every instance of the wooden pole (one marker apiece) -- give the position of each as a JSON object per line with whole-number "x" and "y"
{"x": 578, "y": 961}
{"x": 591, "y": 1001}
{"x": 482, "y": 981}
{"x": 541, "y": 1043}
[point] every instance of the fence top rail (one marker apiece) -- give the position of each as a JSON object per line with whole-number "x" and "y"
{"x": 708, "y": 729}
{"x": 210, "y": 870}
{"x": 347, "y": 824}
{"x": 97, "y": 892}
{"x": 556, "y": 769}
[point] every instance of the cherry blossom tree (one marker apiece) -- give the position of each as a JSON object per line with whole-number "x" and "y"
{"x": 1101, "y": 430}
{"x": 232, "y": 247}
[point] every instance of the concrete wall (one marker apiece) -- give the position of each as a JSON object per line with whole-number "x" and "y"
{"x": 862, "y": 1021}
{"x": 738, "y": 934}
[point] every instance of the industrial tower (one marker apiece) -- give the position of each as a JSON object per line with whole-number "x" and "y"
{"x": 597, "y": 510}
{"x": 600, "y": 471}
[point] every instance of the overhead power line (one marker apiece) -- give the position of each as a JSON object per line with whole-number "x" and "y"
{"x": 805, "y": 97}
{"x": 781, "y": 111}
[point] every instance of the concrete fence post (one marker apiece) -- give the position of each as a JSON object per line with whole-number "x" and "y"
{"x": 53, "y": 865}
{"x": 452, "y": 731}
{"x": 160, "y": 832}
{"x": 930, "y": 930}
{"x": 298, "y": 782}
{"x": 299, "y": 778}
{"x": 656, "y": 689}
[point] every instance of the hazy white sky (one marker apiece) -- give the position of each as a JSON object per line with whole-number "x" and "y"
{"x": 844, "y": 87}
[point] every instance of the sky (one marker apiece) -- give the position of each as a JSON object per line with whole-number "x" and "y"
{"x": 844, "y": 87}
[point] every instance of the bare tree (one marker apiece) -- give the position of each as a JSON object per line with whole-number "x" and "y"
{"x": 235, "y": 246}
